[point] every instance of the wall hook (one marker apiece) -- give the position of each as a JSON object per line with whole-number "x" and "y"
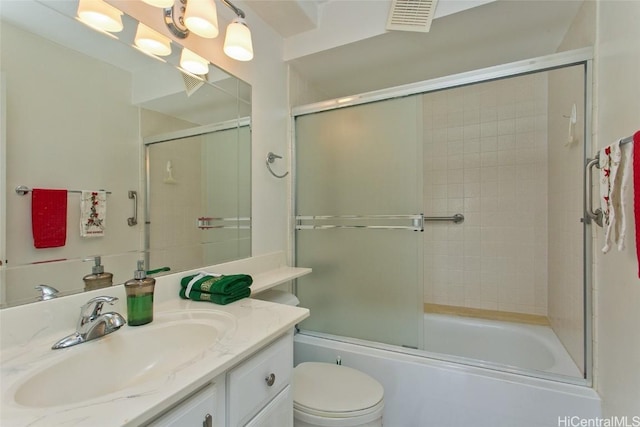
{"x": 169, "y": 179}
{"x": 271, "y": 158}
{"x": 573, "y": 119}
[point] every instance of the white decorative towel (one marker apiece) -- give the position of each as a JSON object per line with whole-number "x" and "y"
{"x": 615, "y": 164}
{"x": 93, "y": 212}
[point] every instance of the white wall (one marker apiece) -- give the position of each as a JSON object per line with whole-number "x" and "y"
{"x": 617, "y": 296}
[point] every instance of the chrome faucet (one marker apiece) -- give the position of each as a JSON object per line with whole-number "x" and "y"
{"x": 47, "y": 292}
{"x": 92, "y": 323}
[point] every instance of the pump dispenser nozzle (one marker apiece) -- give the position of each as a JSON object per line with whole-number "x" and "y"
{"x": 140, "y": 273}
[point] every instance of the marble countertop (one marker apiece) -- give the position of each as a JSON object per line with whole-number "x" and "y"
{"x": 255, "y": 324}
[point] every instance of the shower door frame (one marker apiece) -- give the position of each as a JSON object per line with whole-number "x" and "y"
{"x": 579, "y": 57}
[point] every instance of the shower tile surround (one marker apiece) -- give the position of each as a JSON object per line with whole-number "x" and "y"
{"x": 485, "y": 155}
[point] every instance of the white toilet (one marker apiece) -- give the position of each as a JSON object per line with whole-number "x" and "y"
{"x": 330, "y": 395}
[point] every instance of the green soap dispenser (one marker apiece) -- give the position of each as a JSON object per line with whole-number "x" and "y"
{"x": 140, "y": 297}
{"x": 98, "y": 278}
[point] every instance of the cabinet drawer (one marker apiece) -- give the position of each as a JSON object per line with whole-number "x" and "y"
{"x": 195, "y": 411}
{"x": 278, "y": 413}
{"x": 254, "y": 383}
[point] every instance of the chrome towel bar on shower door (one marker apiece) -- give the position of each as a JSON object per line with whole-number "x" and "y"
{"x": 380, "y": 222}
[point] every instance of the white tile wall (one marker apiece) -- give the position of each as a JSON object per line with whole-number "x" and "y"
{"x": 485, "y": 155}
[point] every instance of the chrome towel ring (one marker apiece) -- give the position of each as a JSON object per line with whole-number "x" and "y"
{"x": 271, "y": 158}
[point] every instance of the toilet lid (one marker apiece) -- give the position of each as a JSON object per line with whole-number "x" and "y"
{"x": 335, "y": 390}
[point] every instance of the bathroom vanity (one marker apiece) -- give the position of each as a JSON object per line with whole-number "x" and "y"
{"x": 257, "y": 392}
{"x": 197, "y": 363}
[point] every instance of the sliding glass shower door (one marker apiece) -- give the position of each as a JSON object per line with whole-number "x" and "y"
{"x": 483, "y": 165}
{"x": 359, "y": 186}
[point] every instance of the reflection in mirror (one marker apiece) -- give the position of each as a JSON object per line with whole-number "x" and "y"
{"x": 78, "y": 104}
{"x": 198, "y": 199}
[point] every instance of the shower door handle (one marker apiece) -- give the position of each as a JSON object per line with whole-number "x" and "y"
{"x": 590, "y": 214}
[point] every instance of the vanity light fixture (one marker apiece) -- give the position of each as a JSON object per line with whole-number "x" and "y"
{"x": 200, "y": 17}
{"x": 100, "y": 15}
{"x": 193, "y": 62}
{"x": 237, "y": 43}
{"x": 151, "y": 41}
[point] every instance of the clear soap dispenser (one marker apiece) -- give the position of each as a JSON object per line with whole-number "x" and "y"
{"x": 98, "y": 278}
{"x": 140, "y": 297}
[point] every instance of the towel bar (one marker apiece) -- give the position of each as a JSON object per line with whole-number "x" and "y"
{"x": 417, "y": 221}
{"x": 23, "y": 190}
{"x": 379, "y": 222}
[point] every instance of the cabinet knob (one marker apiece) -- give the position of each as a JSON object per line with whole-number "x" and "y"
{"x": 270, "y": 379}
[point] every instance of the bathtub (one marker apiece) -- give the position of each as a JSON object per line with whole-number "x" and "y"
{"x": 503, "y": 343}
{"x": 422, "y": 391}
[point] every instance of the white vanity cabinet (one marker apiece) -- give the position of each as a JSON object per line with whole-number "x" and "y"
{"x": 259, "y": 391}
{"x": 255, "y": 393}
{"x": 204, "y": 409}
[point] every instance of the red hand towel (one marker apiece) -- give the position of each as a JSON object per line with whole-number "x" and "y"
{"x": 49, "y": 218}
{"x": 636, "y": 192}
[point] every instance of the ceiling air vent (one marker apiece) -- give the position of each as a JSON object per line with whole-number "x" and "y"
{"x": 191, "y": 84}
{"x": 411, "y": 15}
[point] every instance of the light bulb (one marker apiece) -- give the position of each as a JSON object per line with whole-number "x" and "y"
{"x": 152, "y": 41}
{"x": 201, "y": 18}
{"x": 193, "y": 63}
{"x": 237, "y": 44}
{"x": 100, "y": 15}
{"x": 159, "y": 3}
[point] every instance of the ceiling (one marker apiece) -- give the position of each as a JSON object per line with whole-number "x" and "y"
{"x": 473, "y": 35}
{"x": 342, "y": 48}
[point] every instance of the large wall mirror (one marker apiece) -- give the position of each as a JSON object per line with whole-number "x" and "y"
{"x": 85, "y": 111}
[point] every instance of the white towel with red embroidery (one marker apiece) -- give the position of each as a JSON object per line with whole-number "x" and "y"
{"x": 93, "y": 212}
{"x": 615, "y": 170}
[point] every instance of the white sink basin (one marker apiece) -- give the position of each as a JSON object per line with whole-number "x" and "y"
{"x": 125, "y": 359}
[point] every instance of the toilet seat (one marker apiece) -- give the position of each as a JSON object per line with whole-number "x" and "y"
{"x": 327, "y": 391}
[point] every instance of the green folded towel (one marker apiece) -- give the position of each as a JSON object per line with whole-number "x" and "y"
{"x": 221, "y": 299}
{"x": 218, "y": 284}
